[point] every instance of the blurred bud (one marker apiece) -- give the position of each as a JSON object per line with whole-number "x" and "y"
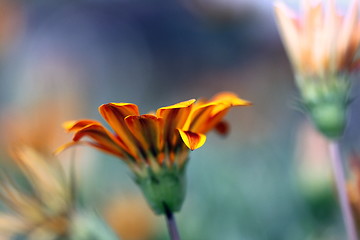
{"x": 46, "y": 210}
{"x": 40, "y": 211}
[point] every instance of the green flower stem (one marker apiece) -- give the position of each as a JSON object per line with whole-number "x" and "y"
{"x": 171, "y": 223}
{"x": 340, "y": 181}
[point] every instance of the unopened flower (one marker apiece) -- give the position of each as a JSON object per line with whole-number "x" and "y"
{"x": 156, "y": 146}
{"x": 322, "y": 46}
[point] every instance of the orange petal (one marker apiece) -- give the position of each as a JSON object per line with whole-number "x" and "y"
{"x": 147, "y": 130}
{"x": 174, "y": 116}
{"x": 200, "y": 117}
{"x": 65, "y": 146}
{"x": 102, "y": 148}
{"x": 230, "y": 98}
{"x": 205, "y": 117}
{"x": 108, "y": 149}
{"x": 71, "y": 126}
{"x": 347, "y": 43}
{"x": 101, "y": 137}
{"x": 183, "y": 104}
{"x": 289, "y": 30}
{"x": 330, "y": 31}
{"x": 114, "y": 114}
{"x": 192, "y": 140}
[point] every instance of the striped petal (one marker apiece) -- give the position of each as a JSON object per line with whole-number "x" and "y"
{"x": 102, "y": 138}
{"x": 206, "y": 116}
{"x": 72, "y": 126}
{"x": 114, "y": 114}
{"x": 147, "y": 129}
{"x": 174, "y": 117}
{"x": 200, "y": 117}
{"x": 192, "y": 140}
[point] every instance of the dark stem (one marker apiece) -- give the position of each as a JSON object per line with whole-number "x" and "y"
{"x": 171, "y": 223}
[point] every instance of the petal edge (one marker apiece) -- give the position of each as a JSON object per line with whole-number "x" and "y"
{"x": 192, "y": 140}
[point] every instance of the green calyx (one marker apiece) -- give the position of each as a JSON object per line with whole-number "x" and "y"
{"x": 330, "y": 119}
{"x": 326, "y": 100}
{"x": 164, "y": 189}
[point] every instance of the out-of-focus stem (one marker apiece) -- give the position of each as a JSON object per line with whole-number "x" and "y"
{"x": 171, "y": 223}
{"x": 338, "y": 171}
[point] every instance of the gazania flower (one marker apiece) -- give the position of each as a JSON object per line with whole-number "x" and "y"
{"x": 319, "y": 40}
{"x": 156, "y": 146}
{"x": 47, "y": 210}
{"x": 322, "y": 46}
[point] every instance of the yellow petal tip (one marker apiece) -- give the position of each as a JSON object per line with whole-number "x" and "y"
{"x": 192, "y": 140}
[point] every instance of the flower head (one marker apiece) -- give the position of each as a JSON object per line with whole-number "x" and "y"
{"x": 156, "y": 146}
{"x": 153, "y": 140}
{"x": 319, "y": 40}
{"x": 42, "y": 214}
{"x": 322, "y": 46}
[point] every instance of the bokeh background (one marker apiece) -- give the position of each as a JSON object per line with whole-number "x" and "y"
{"x": 269, "y": 179}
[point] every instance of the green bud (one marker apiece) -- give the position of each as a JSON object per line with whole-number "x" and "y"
{"x": 164, "y": 190}
{"x": 326, "y": 101}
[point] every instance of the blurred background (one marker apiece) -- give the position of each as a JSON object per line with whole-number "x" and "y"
{"x": 269, "y": 179}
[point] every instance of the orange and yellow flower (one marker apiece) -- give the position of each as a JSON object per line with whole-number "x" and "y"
{"x": 163, "y": 138}
{"x": 156, "y": 146}
{"x": 319, "y": 40}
